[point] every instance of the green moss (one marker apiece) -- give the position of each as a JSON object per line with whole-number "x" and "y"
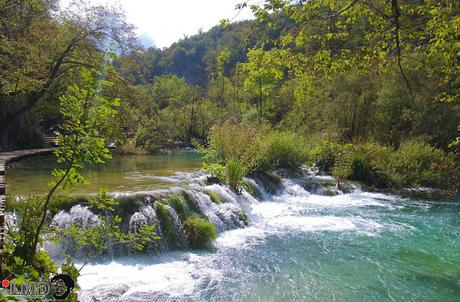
{"x": 214, "y": 197}
{"x": 251, "y": 189}
{"x": 178, "y": 203}
{"x": 165, "y": 222}
{"x": 269, "y": 180}
{"x": 273, "y": 177}
{"x": 200, "y": 232}
{"x": 329, "y": 192}
{"x": 191, "y": 203}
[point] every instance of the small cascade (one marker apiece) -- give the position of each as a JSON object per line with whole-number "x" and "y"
{"x": 78, "y": 215}
{"x": 208, "y": 208}
{"x": 242, "y": 201}
{"x": 179, "y": 236}
{"x": 137, "y": 221}
{"x": 147, "y": 216}
{"x": 232, "y": 216}
{"x": 82, "y": 218}
{"x": 294, "y": 189}
{"x": 225, "y": 209}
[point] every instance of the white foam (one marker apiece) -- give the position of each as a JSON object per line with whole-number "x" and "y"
{"x": 181, "y": 274}
{"x": 241, "y": 237}
{"x": 309, "y": 224}
{"x": 141, "y": 275}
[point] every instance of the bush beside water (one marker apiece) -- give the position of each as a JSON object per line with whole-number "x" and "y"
{"x": 199, "y": 232}
{"x": 243, "y": 149}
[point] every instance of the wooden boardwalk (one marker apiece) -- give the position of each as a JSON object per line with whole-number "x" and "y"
{"x": 5, "y": 158}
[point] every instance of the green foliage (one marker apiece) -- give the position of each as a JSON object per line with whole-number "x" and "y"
{"x": 285, "y": 150}
{"x": 85, "y": 112}
{"x": 324, "y": 155}
{"x": 68, "y": 268}
{"x": 418, "y": 164}
{"x": 210, "y": 161}
{"x": 415, "y": 163}
{"x": 369, "y": 158}
{"x": 264, "y": 69}
{"x": 19, "y": 243}
{"x": 42, "y": 56}
{"x": 165, "y": 222}
{"x": 238, "y": 142}
{"x": 343, "y": 164}
{"x": 234, "y": 172}
{"x": 200, "y": 232}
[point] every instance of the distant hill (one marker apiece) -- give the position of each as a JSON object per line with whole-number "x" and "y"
{"x": 194, "y": 57}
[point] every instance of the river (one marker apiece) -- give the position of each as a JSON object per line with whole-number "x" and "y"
{"x": 298, "y": 246}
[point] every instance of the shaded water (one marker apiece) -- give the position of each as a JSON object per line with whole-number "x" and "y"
{"x": 120, "y": 174}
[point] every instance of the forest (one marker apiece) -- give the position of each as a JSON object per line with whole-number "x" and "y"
{"x": 364, "y": 90}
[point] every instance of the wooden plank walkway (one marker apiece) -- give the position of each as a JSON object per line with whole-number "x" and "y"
{"x": 5, "y": 158}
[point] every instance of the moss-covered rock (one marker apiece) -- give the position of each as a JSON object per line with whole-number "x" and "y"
{"x": 251, "y": 189}
{"x": 269, "y": 180}
{"x": 216, "y": 198}
{"x": 179, "y": 204}
{"x": 190, "y": 202}
{"x": 199, "y": 232}
{"x": 166, "y": 223}
{"x": 330, "y": 192}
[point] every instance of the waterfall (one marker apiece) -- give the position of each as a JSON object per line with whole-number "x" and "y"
{"x": 78, "y": 215}
{"x": 208, "y": 208}
{"x": 227, "y": 210}
{"x": 82, "y": 218}
{"x": 147, "y": 216}
{"x": 179, "y": 235}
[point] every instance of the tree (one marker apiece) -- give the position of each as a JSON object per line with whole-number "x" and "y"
{"x": 264, "y": 70}
{"x": 85, "y": 111}
{"x": 44, "y": 47}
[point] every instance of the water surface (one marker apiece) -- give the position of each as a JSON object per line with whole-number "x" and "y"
{"x": 121, "y": 174}
{"x": 304, "y": 247}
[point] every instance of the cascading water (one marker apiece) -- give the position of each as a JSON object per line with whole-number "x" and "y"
{"x": 307, "y": 240}
{"x": 78, "y": 215}
{"x": 178, "y": 230}
{"x": 146, "y": 216}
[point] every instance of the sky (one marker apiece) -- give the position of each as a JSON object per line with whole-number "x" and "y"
{"x": 162, "y": 22}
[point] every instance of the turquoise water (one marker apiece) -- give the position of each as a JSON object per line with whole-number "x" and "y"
{"x": 305, "y": 247}
{"x": 298, "y": 246}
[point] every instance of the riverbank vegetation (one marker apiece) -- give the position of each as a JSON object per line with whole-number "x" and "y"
{"x": 362, "y": 90}
{"x": 376, "y": 73}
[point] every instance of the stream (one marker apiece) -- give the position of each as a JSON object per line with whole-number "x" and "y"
{"x": 299, "y": 245}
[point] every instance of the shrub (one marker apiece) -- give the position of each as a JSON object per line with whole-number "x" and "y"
{"x": 235, "y": 172}
{"x": 415, "y": 163}
{"x": 418, "y": 164}
{"x": 324, "y": 155}
{"x": 238, "y": 142}
{"x": 199, "y": 232}
{"x": 285, "y": 150}
{"x": 369, "y": 164}
{"x": 343, "y": 163}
